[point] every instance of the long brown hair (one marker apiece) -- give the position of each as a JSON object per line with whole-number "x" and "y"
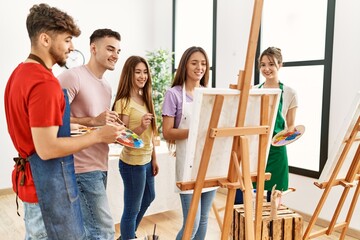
{"x": 126, "y": 84}
{"x": 180, "y": 75}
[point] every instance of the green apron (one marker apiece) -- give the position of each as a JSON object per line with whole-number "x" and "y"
{"x": 277, "y": 162}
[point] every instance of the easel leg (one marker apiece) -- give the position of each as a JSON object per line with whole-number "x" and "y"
{"x": 351, "y": 211}
{"x": 263, "y": 143}
{"x": 249, "y": 211}
{"x": 204, "y": 163}
{"x": 217, "y": 216}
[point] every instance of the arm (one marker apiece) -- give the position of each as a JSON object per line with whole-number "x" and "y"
{"x": 154, "y": 164}
{"x": 48, "y": 145}
{"x": 290, "y": 118}
{"x": 144, "y": 124}
{"x": 100, "y": 120}
{"x": 171, "y": 133}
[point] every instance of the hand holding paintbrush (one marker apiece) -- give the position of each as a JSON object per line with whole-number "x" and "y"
{"x": 146, "y": 120}
{"x": 112, "y": 116}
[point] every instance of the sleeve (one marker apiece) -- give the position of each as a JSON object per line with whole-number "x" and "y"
{"x": 46, "y": 105}
{"x": 294, "y": 99}
{"x": 70, "y": 80}
{"x": 120, "y": 109}
{"x": 170, "y": 104}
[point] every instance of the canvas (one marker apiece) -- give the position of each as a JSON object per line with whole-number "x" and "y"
{"x": 338, "y": 146}
{"x": 203, "y": 104}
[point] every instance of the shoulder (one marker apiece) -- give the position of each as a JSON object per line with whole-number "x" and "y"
{"x": 257, "y": 85}
{"x": 72, "y": 74}
{"x": 121, "y": 104}
{"x": 289, "y": 90}
{"x": 174, "y": 92}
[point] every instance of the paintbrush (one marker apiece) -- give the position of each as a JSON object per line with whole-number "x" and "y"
{"x": 154, "y": 236}
{"x": 118, "y": 120}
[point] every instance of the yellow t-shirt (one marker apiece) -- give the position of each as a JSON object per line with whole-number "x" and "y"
{"x": 135, "y": 111}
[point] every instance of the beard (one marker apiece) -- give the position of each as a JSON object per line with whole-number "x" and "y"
{"x": 59, "y": 59}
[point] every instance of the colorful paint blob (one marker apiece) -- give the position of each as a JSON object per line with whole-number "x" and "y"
{"x": 284, "y": 137}
{"x": 130, "y": 139}
{"x": 126, "y": 138}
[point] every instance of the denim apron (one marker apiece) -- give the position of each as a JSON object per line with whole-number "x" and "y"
{"x": 57, "y": 190}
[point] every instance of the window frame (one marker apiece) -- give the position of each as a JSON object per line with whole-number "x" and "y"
{"x": 326, "y": 63}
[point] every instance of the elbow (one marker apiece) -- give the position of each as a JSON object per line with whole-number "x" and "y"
{"x": 44, "y": 155}
{"x": 166, "y": 135}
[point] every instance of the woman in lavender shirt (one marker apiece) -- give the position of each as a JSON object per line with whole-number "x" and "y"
{"x": 192, "y": 72}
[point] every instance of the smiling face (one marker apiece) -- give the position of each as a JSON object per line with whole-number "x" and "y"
{"x": 61, "y": 46}
{"x": 269, "y": 67}
{"x": 196, "y": 67}
{"x": 141, "y": 74}
{"x": 106, "y": 52}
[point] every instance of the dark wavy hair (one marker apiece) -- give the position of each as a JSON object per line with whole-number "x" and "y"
{"x": 43, "y": 18}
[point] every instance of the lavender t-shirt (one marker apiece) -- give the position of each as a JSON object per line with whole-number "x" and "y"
{"x": 172, "y": 105}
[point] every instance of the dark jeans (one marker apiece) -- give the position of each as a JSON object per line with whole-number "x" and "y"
{"x": 139, "y": 192}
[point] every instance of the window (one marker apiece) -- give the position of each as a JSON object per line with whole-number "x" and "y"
{"x": 304, "y": 31}
{"x": 193, "y": 25}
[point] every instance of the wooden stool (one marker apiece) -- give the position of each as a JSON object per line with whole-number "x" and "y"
{"x": 288, "y": 225}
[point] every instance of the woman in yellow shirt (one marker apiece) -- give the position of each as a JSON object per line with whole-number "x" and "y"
{"x": 138, "y": 166}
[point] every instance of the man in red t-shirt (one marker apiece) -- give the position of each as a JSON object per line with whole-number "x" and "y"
{"x": 37, "y": 115}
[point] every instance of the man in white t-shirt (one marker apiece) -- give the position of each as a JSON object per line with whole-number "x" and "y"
{"x": 90, "y": 100}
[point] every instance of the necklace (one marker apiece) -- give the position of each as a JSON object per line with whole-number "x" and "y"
{"x": 38, "y": 59}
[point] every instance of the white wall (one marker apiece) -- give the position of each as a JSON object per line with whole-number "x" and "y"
{"x": 140, "y": 23}
{"x": 233, "y": 29}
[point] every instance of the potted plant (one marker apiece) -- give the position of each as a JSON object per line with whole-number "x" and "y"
{"x": 160, "y": 62}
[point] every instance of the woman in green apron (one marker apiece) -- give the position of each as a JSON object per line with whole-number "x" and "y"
{"x": 270, "y": 61}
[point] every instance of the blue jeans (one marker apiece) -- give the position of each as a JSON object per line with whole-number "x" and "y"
{"x": 139, "y": 192}
{"x": 34, "y": 223}
{"x": 202, "y": 214}
{"x": 94, "y": 204}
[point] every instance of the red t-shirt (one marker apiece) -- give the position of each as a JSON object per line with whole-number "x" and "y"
{"x": 33, "y": 98}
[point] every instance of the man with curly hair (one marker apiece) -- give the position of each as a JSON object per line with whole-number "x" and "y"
{"x": 38, "y": 119}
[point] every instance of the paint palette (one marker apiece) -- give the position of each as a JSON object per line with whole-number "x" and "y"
{"x": 129, "y": 139}
{"x": 284, "y": 137}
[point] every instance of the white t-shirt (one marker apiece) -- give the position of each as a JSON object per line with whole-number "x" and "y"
{"x": 290, "y": 99}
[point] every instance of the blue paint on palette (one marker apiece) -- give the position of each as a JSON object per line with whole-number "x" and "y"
{"x": 130, "y": 139}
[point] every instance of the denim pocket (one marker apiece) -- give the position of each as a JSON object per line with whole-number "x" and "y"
{"x": 70, "y": 180}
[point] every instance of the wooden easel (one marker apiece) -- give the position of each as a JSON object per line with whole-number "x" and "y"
{"x": 351, "y": 180}
{"x": 237, "y": 177}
